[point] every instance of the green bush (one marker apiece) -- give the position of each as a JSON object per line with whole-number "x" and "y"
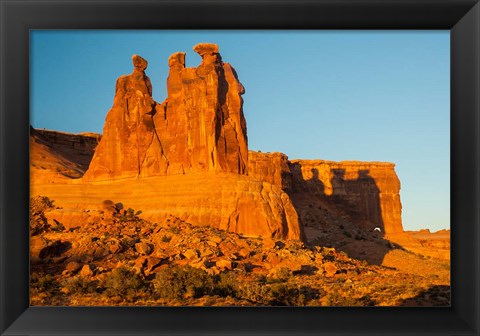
{"x": 166, "y": 239}
{"x": 179, "y": 282}
{"x": 256, "y": 292}
{"x": 282, "y": 274}
{"x": 43, "y": 283}
{"x": 286, "y": 295}
{"x": 227, "y": 285}
{"x": 79, "y": 285}
{"x": 130, "y": 216}
{"x": 125, "y": 283}
{"x": 336, "y": 299}
{"x": 175, "y": 229}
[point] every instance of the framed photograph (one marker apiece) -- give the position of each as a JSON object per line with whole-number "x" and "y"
{"x": 148, "y": 188}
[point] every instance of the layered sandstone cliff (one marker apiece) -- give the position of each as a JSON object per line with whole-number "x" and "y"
{"x": 270, "y": 167}
{"x": 57, "y": 155}
{"x": 368, "y": 192}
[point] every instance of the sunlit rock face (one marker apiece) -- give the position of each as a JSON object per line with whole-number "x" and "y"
{"x": 196, "y": 143}
{"x": 199, "y": 127}
{"x": 129, "y": 138}
{"x": 273, "y": 168}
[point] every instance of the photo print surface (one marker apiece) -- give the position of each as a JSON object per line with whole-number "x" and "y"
{"x": 239, "y": 168}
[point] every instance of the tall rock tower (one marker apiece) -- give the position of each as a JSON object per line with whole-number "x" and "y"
{"x": 199, "y": 127}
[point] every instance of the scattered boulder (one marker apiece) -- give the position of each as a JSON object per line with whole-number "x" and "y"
{"x": 86, "y": 271}
{"x": 73, "y": 267}
{"x": 37, "y": 245}
{"x": 114, "y": 246}
{"x": 330, "y": 269}
{"x": 144, "y": 248}
{"x": 224, "y": 264}
{"x": 190, "y": 254}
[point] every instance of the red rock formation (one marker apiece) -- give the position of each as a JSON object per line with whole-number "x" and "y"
{"x": 201, "y": 124}
{"x": 368, "y": 191}
{"x": 128, "y": 134}
{"x": 200, "y": 130}
{"x": 199, "y": 127}
{"x": 57, "y": 155}
{"x": 270, "y": 167}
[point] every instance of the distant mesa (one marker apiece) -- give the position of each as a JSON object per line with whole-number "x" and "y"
{"x": 188, "y": 157}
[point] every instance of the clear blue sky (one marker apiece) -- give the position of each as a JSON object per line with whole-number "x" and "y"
{"x": 334, "y": 95}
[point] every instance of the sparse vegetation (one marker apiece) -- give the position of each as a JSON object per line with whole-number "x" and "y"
{"x": 125, "y": 283}
{"x": 129, "y": 215}
{"x": 166, "y": 239}
{"x": 80, "y": 285}
{"x": 193, "y": 265}
{"x": 180, "y": 282}
{"x": 42, "y": 283}
{"x": 334, "y": 298}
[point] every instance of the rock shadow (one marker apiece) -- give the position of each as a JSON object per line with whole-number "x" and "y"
{"x": 345, "y": 215}
{"x": 435, "y": 296}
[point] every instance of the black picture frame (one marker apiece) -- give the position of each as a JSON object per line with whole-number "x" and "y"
{"x": 17, "y": 17}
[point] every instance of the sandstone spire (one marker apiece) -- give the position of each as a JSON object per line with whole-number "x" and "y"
{"x": 128, "y": 134}
{"x": 201, "y": 123}
{"x": 199, "y": 127}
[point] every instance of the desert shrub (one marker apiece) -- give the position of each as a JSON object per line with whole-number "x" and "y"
{"x": 286, "y": 295}
{"x": 256, "y": 292}
{"x": 166, "y": 239}
{"x": 125, "y": 283}
{"x": 226, "y": 284}
{"x": 276, "y": 294}
{"x": 130, "y": 215}
{"x": 43, "y": 283}
{"x": 178, "y": 282}
{"x": 79, "y": 285}
{"x": 336, "y": 299}
{"x": 175, "y": 230}
{"x": 38, "y": 221}
{"x": 281, "y": 275}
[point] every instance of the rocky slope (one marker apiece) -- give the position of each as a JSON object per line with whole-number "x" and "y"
{"x": 117, "y": 258}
